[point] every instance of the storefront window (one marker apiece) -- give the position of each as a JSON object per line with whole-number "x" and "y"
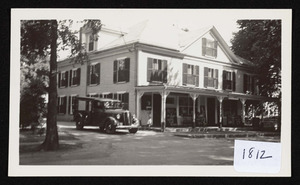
{"x": 186, "y": 106}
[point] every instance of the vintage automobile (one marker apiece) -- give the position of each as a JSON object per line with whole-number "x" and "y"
{"x": 105, "y": 113}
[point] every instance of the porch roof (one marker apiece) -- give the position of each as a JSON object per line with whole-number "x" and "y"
{"x": 205, "y": 92}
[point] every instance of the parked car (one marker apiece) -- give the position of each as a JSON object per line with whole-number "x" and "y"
{"x": 105, "y": 113}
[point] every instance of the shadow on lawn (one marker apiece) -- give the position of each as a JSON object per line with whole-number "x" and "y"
{"x": 30, "y": 142}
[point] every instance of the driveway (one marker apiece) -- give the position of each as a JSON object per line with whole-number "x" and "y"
{"x": 92, "y": 147}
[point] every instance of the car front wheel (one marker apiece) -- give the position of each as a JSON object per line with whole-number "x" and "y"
{"x": 110, "y": 127}
{"x": 79, "y": 125}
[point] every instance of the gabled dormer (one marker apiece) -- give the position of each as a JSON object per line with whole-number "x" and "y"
{"x": 106, "y": 35}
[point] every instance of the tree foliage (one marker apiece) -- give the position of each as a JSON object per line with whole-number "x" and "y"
{"x": 259, "y": 41}
{"x": 34, "y": 82}
{"x": 41, "y": 39}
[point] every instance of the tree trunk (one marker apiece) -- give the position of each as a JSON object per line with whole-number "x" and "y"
{"x": 51, "y": 140}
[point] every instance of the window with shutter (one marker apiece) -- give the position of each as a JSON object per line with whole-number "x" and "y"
{"x": 157, "y": 70}
{"x": 74, "y": 77}
{"x": 62, "y": 104}
{"x": 94, "y": 71}
{"x": 209, "y": 47}
{"x": 190, "y": 75}
{"x": 121, "y": 70}
{"x": 91, "y": 43}
{"x": 72, "y": 105}
{"x": 211, "y": 77}
{"x": 63, "y": 79}
{"x": 249, "y": 84}
{"x": 228, "y": 80}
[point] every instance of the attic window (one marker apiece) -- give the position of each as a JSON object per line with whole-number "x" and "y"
{"x": 91, "y": 42}
{"x": 209, "y": 47}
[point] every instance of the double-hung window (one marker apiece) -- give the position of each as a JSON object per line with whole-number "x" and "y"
{"x": 209, "y": 47}
{"x": 63, "y": 79}
{"x": 121, "y": 70}
{"x": 61, "y": 104}
{"x": 190, "y": 75}
{"x": 211, "y": 77}
{"x": 72, "y": 104}
{"x": 157, "y": 70}
{"x": 74, "y": 77}
{"x": 94, "y": 74}
{"x": 228, "y": 80}
{"x": 91, "y": 42}
{"x": 251, "y": 84}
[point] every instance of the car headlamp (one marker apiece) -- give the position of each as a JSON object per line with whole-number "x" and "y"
{"x": 118, "y": 116}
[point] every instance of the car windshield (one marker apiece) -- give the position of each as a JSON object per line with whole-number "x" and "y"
{"x": 113, "y": 105}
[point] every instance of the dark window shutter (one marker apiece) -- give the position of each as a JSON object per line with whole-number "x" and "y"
{"x": 216, "y": 78}
{"x": 127, "y": 67}
{"x": 115, "y": 71}
{"x": 70, "y": 82}
{"x": 184, "y": 74}
{"x": 233, "y": 81}
{"x": 215, "y": 48}
{"x": 59, "y": 76}
{"x": 88, "y": 75}
{"x": 149, "y": 69}
{"x": 203, "y": 46}
{"x": 245, "y": 82}
{"x": 197, "y": 76}
{"x": 64, "y": 104}
{"x": 69, "y": 105}
{"x": 67, "y": 77}
{"x": 97, "y": 71}
{"x": 165, "y": 71}
{"x": 78, "y": 76}
{"x": 205, "y": 76}
{"x": 224, "y": 79}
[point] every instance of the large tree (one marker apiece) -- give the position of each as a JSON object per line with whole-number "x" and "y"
{"x": 42, "y": 38}
{"x": 259, "y": 41}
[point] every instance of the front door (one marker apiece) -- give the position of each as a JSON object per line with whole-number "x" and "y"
{"x": 156, "y": 110}
{"x": 211, "y": 111}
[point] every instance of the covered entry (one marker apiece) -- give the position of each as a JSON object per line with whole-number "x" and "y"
{"x": 186, "y": 107}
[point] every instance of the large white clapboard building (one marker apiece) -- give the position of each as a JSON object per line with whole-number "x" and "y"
{"x": 174, "y": 76}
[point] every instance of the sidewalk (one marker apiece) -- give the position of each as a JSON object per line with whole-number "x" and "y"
{"x": 216, "y": 132}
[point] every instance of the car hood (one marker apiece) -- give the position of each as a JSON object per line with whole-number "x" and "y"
{"x": 115, "y": 111}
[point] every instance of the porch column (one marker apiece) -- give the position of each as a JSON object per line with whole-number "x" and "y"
{"x": 194, "y": 96}
{"x": 243, "y": 101}
{"x": 139, "y": 95}
{"x": 164, "y": 95}
{"x": 220, "y": 99}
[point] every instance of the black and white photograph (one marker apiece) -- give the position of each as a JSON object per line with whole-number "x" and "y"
{"x": 150, "y": 92}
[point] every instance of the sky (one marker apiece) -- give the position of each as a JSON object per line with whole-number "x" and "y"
{"x": 191, "y": 19}
{"x": 224, "y": 20}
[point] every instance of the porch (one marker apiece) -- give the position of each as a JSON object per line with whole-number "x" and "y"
{"x": 167, "y": 106}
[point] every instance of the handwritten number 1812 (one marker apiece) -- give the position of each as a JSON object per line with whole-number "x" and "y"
{"x": 258, "y": 152}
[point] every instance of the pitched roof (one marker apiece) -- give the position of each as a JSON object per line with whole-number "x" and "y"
{"x": 171, "y": 37}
